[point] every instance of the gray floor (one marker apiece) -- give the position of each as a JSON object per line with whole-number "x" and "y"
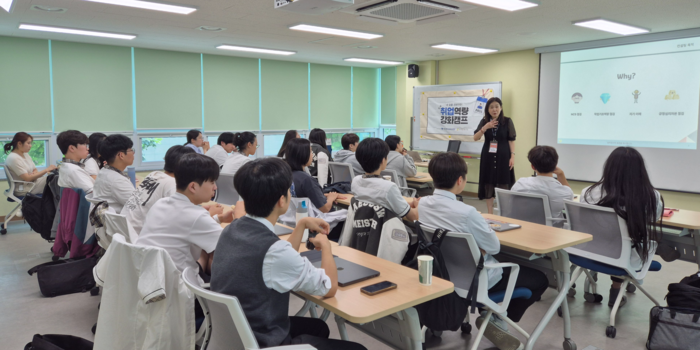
{"x": 25, "y": 312}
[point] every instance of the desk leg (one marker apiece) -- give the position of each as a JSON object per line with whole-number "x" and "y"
{"x": 696, "y": 238}
{"x": 341, "y": 328}
{"x": 561, "y": 265}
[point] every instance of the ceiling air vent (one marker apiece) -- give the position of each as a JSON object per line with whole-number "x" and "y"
{"x": 407, "y": 11}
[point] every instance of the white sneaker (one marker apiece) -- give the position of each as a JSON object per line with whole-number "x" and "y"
{"x": 497, "y": 321}
{"x": 501, "y": 339}
{"x": 19, "y": 213}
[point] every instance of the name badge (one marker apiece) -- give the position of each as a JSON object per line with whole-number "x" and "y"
{"x": 494, "y": 147}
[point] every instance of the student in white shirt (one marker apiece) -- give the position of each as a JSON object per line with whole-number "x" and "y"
{"x": 543, "y": 160}
{"x": 261, "y": 270}
{"x": 22, "y": 167}
{"x": 247, "y": 144}
{"x": 290, "y": 135}
{"x": 113, "y": 184}
{"x": 179, "y": 224}
{"x": 372, "y": 188}
{"x": 443, "y": 210}
{"x": 398, "y": 158}
{"x": 71, "y": 173}
{"x": 195, "y": 141}
{"x": 223, "y": 148}
{"x": 625, "y": 187}
{"x": 349, "y": 142}
{"x": 93, "y": 163}
{"x": 157, "y": 185}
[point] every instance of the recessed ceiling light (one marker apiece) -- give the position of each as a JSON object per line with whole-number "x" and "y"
{"x": 612, "y": 27}
{"x": 463, "y": 48}
{"x": 183, "y": 10}
{"x": 255, "y": 49}
{"x": 335, "y": 31}
{"x": 211, "y": 29}
{"x": 6, "y": 4}
{"x": 76, "y": 31}
{"x": 366, "y": 60}
{"x": 48, "y": 9}
{"x": 508, "y": 5}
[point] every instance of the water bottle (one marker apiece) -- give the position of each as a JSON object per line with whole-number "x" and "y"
{"x": 303, "y": 212}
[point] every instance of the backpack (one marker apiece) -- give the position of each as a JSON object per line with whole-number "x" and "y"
{"x": 58, "y": 342}
{"x": 340, "y": 187}
{"x": 677, "y": 326}
{"x": 449, "y": 311}
{"x": 39, "y": 211}
{"x": 685, "y": 294}
{"x": 65, "y": 276}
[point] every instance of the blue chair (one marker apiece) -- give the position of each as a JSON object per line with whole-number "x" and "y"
{"x": 10, "y": 194}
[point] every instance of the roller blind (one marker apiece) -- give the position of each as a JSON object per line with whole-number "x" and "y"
{"x": 330, "y": 96}
{"x": 25, "y": 92}
{"x": 284, "y": 95}
{"x": 389, "y": 96}
{"x": 364, "y": 98}
{"x": 92, "y": 87}
{"x": 230, "y": 93}
{"x": 168, "y": 89}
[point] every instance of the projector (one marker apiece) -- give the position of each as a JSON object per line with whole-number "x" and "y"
{"x": 312, "y": 7}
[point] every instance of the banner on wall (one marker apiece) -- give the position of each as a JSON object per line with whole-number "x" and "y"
{"x": 452, "y": 115}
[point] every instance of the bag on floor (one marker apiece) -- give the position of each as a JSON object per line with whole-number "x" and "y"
{"x": 673, "y": 328}
{"x": 58, "y": 342}
{"x": 686, "y": 294}
{"x": 39, "y": 211}
{"x": 65, "y": 276}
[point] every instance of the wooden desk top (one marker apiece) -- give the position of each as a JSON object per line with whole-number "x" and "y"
{"x": 684, "y": 219}
{"x": 536, "y": 238}
{"x": 424, "y": 179}
{"x": 348, "y": 197}
{"x": 422, "y": 164}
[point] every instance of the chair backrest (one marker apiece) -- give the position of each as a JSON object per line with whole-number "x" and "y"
{"x": 524, "y": 206}
{"x": 117, "y": 223}
{"x": 611, "y": 243}
{"x": 229, "y": 327}
{"x": 395, "y": 178}
{"x": 341, "y": 172}
{"x": 225, "y": 191}
{"x": 10, "y": 182}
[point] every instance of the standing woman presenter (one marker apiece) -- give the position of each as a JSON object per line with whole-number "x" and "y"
{"x": 498, "y": 153}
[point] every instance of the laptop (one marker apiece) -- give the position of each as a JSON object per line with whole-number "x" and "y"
{"x": 501, "y": 226}
{"x": 416, "y": 156}
{"x": 282, "y": 230}
{"x": 348, "y": 272}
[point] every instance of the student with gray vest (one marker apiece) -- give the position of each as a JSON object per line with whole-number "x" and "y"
{"x": 261, "y": 270}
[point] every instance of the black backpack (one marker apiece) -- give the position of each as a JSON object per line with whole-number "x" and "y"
{"x": 685, "y": 294}
{"x": 340, "y": 187}
{"x": 65, "y": 276}
{"x": 58, "y": 342}
{"x": 39, "y": 212}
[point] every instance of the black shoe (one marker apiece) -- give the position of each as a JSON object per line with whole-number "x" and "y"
{"x": 613, "y": 296}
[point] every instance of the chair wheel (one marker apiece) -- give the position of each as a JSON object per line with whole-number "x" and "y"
{"x": 559, "y": 312}
{"x": 631, "y": 288}
{"x": 466, "y": 328}
{"x": 569, "y": 344}
{"x": 3, "y": 230}
{"x": 95, "y": 291}
{"x": 592, "y": 298}
{"x": 573, "y": 285}
{"x": 571, "y": 293}
{"x": 610, "y": 332}
{"x": 436, "y": 333}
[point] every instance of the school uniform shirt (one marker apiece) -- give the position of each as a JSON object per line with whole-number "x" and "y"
{"x": 234, "y": 162}
{"x": 555, "y": 191}
{"x": 443, "y": 210}
{"x": 155, "y": 186}
{"x": 91, "y": 166}
{"x": 306, "y": 186}
{"x": 597, "y": 194}
{"x": 346, "y": 156}
{"x": 114, "y": 187}
{"x": 73, "y": 175}
{"x": 217, "y": 153}
{"x": 18, "y": 165}
{"x": 182, "y": 229}
{"x": 380, "y": 192}
{"x": 195, "y": 148}
{"x": 403, "y": 164}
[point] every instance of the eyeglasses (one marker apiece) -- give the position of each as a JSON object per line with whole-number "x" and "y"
{"x": 127, "y": 151}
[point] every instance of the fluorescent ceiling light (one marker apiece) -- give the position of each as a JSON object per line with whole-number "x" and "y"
{"x": 463, "y": 48}
{"x": 255, "y": 49}
{"x": 334, "y": 31}
{"x": 75, "y": 31}
{"x": 183, "y": 10}
{"x": 6, "y": 4}
{"x": 508, "y": 5}
{"x": 365, "y": 60}
{"x": 612, "y": 27}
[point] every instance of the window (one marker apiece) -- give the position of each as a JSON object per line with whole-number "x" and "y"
{"x": 336, "y": 138}
{"x": 388, "y": 132}
{"x": 272, "y": 144}
{"x": 153, "y": 148}
{"x": 38, "y": 153}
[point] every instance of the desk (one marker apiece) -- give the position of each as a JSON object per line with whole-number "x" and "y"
{"x": 422, "y": 164}
{"x": 687, "y": 241}
{"x": 541, "y": 239}
{"x": 424, "y": 179}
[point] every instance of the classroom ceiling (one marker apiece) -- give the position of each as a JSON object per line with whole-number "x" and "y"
{"x": 256, "y": 23}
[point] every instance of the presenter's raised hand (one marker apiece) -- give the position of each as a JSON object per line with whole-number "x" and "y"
{"x": 490, "y": 125}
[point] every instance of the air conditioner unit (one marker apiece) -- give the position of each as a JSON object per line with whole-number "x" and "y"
{"x": 312, "y": 7}
{"x": 407, "y": 11}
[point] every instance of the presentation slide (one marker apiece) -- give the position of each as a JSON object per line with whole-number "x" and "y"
{"x": 638, "y": 95}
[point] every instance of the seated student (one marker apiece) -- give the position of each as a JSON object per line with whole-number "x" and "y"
{"x": 298, "y": 156}
{"x": 443, "y": 210}
{"x": 372, "y": 188}
{"x": 178, "y": 224}
{"x": 249, "y": 251}
{"x": 347, "y": 154}
{"x": 93, "y": 163}
{"x": 247, "y": 144}
{"x": 399, "y": 159}
{"x": 221, "y": 150}
{"x": 543, "y": 160}
{"x": 113, "y": 184}
{"x": 71, "y": 173}
{"x": 195, "y": 140}
{"x": 625, "y": 187}
{"x": 157, "y": 185}
{"x": 322, "y": 156}
{"x": 290, "y": 135}
{"x": 21, "y": 165}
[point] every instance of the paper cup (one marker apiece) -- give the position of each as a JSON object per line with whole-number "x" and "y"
{"x": 425, "y": 270}
{"x": 387, "y": 178}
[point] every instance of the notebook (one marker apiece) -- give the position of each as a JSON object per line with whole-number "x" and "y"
{"x": 348, "y": 272}
{"x": 500, "y": 226}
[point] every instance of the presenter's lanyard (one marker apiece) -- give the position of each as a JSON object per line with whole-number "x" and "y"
{"x": 494, "y": 131}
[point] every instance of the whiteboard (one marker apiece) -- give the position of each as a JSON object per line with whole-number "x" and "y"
{"x": 419, "y": 144}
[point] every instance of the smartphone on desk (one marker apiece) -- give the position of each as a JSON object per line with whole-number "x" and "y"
{"x": 377, "y": 288}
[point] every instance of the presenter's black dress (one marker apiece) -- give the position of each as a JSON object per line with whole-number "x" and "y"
{"x": 494, "y": 171}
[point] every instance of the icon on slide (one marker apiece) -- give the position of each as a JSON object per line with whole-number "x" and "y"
{"x": 636, "y": 94}
{"x": 605, "y": 97}
{"x": 672, "y": 95}
{"x": 577, "y": 97}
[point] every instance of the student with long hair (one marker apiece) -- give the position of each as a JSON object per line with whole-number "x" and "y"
{"x": 22, "y": 167}
{"x": 247, "y": 143}
{"x": 625, "y": 187}
{"x": 298, "y": 156}
{"x": 290, "y": 135}
{"x": 93, "y": 163}
{"x": 322, "y": 156}
{"x": 195, "y": 140}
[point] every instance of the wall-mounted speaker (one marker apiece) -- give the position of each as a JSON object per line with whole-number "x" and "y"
{"x": 413, "y": 71}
